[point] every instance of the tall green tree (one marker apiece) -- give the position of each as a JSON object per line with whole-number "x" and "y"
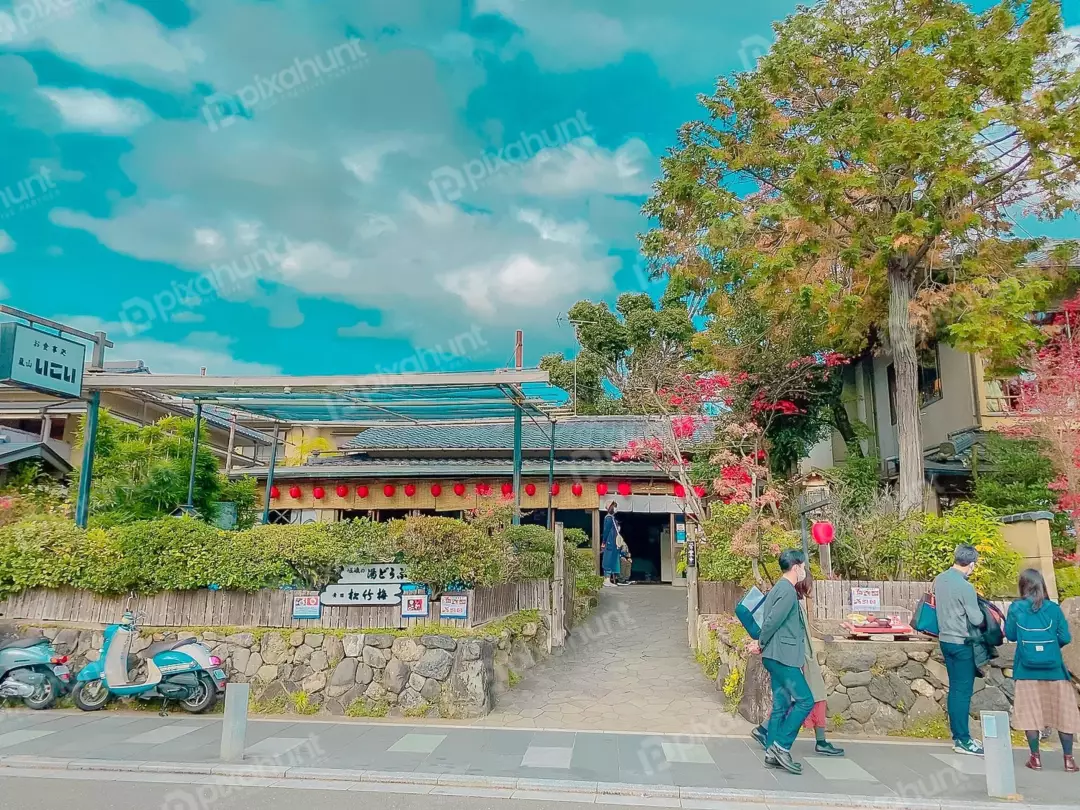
{"x": 639, "y": 349}
{"x": 870, "y": 167}
{"x": 142, "y": 472}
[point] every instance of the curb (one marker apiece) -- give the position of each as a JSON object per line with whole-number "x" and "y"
{"x": 549, "y": 787}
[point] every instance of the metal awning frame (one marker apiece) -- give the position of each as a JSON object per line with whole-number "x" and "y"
{"x": 421, "y": 399}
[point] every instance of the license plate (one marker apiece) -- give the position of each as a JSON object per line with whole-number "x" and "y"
{"x": 219, "y": 674}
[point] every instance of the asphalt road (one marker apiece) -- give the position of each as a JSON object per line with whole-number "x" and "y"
{"x": 49, "y": 794}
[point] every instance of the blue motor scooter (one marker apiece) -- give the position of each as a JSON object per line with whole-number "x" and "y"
{"x": 182, "y": 670}
{"x": 30, "y": 669}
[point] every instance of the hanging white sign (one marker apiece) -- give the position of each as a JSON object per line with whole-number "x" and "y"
{"x": 374, "y": 573}
{"x": 355, "y": 594}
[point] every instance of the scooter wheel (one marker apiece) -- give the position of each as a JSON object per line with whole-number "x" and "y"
{"x": 46, "y": 695}
{"x": 90, "y": 695}
{"x": 204, "y": 698}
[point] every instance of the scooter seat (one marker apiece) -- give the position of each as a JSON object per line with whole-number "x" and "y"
{"x": 22, "y": 643}
{"x": 165, "y": 646}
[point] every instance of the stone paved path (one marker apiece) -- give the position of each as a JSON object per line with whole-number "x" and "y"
{"x": 628, "y": 668}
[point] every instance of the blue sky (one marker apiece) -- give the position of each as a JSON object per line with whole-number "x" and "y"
{"x": 407, "y": 179}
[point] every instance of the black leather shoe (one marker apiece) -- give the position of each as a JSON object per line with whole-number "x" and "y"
{"x": 759, "y": 735}
{"x": 783, "y": 759}
{"x": 827, "y": 749}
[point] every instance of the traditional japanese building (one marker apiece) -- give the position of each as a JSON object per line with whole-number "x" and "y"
{"x": 390, "y": 472}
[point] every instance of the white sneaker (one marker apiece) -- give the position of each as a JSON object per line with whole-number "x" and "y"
{"x": 609, "y": 584}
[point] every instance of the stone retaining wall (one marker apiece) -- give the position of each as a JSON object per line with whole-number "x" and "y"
{"x": 873, "y": 687}
{"x": 373, "y": 672}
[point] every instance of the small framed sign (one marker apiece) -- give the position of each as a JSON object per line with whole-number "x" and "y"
{"x": 414, "y": 605}
{"x": 866, "y": 599}
{"x": 306, "y": 607}
{"x": 454, "y": 606}
{"x": 41, "y": 362}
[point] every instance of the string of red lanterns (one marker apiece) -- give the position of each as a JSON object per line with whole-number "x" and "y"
{"x": 624, "y": 488}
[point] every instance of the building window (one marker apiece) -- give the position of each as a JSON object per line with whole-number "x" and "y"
{"x": 929, "y": 380}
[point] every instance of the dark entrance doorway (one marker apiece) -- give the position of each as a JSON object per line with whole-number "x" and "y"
{"x": 642, "y": 535}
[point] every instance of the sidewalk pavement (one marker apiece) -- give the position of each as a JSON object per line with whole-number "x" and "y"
{"x": 588, "y": 763}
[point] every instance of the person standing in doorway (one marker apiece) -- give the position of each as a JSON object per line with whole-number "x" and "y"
{"x": 610, "y": 554}
{"x": 1044, "y": 693}
{"x": 958, "y": 613}
{"x": 817, "y": 719}
{"x": 783, "y": 645}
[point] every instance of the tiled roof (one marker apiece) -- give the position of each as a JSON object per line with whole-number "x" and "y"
{"x": 578, "y": 433}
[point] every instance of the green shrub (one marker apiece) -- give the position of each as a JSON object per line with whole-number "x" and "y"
{"x": 578, "y": 539}
{"x": 534, "y": 551}
{"x": 716, "y": 561}
{"x": 932, "y": 551}
{"x": 1068, "y": 581}
{"x": 442, "y": 551}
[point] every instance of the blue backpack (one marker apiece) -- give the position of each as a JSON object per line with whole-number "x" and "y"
{"x": 748, "y": 612}
{"x": 1037, "y": 646}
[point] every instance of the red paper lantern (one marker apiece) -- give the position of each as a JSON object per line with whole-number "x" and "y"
{"x": 410, "y": 490}
{"x": 389, "y": 490}
{"x": 361, "y": 491}
{"x": 294, "y": 492}
{"x": 530, "y": 489}
{"x": 342, "y": 490}
{"x": 436, "y": 490}
{"x": 483, "y": 489}
{"x": 555, "y": 488}
{"x": 601, "y": 488}
{"x": 680, "y": 491}
{"x": 577, "y": 489}
{"x": 699, "y": 491}
{"x": 459, "y": 489}
{"x": 507, "y": 489}
{"x": 319, "y": 493}
{"x": 823, "y": 533}
{"x": 624, "y": 487}
{"x": 275, "y": 493}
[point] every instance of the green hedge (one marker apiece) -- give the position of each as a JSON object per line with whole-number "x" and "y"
{"x": 184, "y": 554}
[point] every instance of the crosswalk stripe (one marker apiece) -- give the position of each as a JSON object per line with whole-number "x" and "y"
{"x": 161, "y": 735}
{"x": 25, "y": 735}
{"x": 840, "y": 770}
{"x": 274, "y": 746}
{"x": 968, "y": 765}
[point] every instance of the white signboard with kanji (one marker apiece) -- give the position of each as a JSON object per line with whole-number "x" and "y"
{"x": 865, "y": 600}
{"x": 33, "y": 359}
{"x": 355, "y": 594}
{"x": 454, "y": 606}
{"x": 381, "y": 573}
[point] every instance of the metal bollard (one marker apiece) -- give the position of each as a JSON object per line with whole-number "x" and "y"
{"x": 234, "y": 729}
{"x": 1000, "y": 767}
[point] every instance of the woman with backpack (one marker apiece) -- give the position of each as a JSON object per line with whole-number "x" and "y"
{"x": 1044, "y": 693}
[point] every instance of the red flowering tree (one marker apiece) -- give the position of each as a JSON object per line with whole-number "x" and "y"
{"x": 700, "y": 422}
{"x": 1049, "y": 411}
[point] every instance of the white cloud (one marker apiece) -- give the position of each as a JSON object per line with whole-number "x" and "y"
{"x": 198, "y": 350}
{"x": 114, "y": 38}
{"x": 7, "y": 244}
{"x": 85, "y": 110}
{"x": 5, "y": 293}
{"x": 360, "y": 329}
{"x": 54, "y": 250}
{"x": 583, "y": 167}
{"x": 574, "y": 233}
{"x": 187, "y": 316}
{"x": 319, "y": 180}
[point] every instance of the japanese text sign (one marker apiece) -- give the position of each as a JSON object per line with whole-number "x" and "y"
{"x": 42, "y": 362}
